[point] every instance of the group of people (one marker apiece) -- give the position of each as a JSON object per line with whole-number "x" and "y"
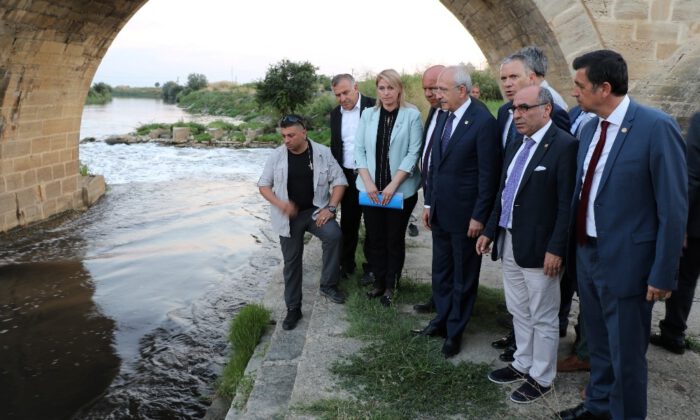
{"x": 595, "y": 201}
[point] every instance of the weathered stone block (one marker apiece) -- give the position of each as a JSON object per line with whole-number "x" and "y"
{"x": 8, "y": 203}
{"x": 29, "y": 178}
{"x": 658, "y": 32}
{"x": 58, "y": 142}
{"x": 216, "y": 133}
{"x": 51, "y": 190}
{"x": 28, "y": 197}
{"x": 70, "y": 184}
{"x": 13, "y": 182}
{"x": 41, "y": 145}
{"x": 16, "y": 148}
{"x": 181, "y": 134}
{"x": 92, "y": 188}
{"x": 660, "y": 9}
{"x": 50, "y": 158}
{"x": 44, "y": 174}
{"x": 58, "y": 170}
{"x": 686, "y": 11}
{"x": 631, "y": 9}
{"x": 664, "y": 51}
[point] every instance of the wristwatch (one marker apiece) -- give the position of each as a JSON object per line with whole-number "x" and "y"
{"x": 332, "y": 209}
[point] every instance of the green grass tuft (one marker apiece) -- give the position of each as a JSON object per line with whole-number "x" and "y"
{"x": 245, "y": 332}
{"x": 693, "y": 344}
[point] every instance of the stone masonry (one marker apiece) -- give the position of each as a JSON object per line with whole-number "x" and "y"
{"x": 50, "y": 50}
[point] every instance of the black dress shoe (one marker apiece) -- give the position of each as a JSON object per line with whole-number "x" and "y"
{"x": 292, "y": 318}
{"x": 451, "y": 347}
{"x": 333, "y": 294}
{"x": 505, "y": 341}
{"x": 430, "y": 331}
{"x": 374, "y": 293}
{"x": 385, "y": 300}
{"x": 580, "y": 413}
{"x": 412, "y": 229}
{"x": 507, "y": 355}
{"x": 673, "y": 345}
{"x": 425, "y": 308}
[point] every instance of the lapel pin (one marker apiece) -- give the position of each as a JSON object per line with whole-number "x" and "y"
{"x": 466, "y": 122}
{"x": 546, "y": 145}
{"x": 624, "y": 129}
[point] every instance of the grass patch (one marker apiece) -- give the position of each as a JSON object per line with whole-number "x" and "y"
{"x": 398, "y": 375}
{"x": 195, "y": 128}
{"x": 245, "y": 332}
{"x": 222, "y": 125}
{"x": 144, "y": 129}
{"x": 693, "y": 344}
{"x": 202, "y": 137}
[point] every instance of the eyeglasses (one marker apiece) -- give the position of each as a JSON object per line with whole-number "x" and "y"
{"x": 291, "y": 119}
{"x": 525, "y": 107}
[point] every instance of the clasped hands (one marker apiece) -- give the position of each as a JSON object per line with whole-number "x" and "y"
{"x": 387, "y": 193}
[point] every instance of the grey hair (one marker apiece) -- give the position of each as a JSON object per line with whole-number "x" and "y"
{"x": 536, "y": 58}
{"x": 461, "y": 77}
{"x": 522, "y": 58}
{"x": 340, "y": 77}
{"x": 544, "y": 96}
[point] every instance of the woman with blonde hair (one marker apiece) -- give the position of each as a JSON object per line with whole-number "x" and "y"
{"x": 387, "y": 147}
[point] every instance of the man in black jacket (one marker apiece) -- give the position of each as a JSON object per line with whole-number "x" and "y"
{"x": 344, "y": 120}
{"x": 673, "y": 326}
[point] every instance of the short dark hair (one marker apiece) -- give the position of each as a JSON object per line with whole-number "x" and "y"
{"x": 544, "y": 96}
{"x": 291, "y": 120}
{"x": 604, "y": 66}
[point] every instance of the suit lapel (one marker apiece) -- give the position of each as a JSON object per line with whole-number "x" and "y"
{"x": 540, "y": 152}
{"x": 463, "y": 126}
{"x": 617, "y": 145}
{"x": 397, "y": 125}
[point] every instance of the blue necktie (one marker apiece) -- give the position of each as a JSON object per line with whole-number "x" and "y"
{"x": 446, "y": 133}
{"x": 512, "y": 183}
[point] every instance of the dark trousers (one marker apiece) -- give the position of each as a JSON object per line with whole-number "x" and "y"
{"x": 293, "y": 250}
{"x": 567, "y": 290}
{"x": 618, "y": 336}
{"x": 455, "y": 276}
{"x": 678, "y": 305}
{"x": 350, "y": 217}
{"x": 385, "y": 231}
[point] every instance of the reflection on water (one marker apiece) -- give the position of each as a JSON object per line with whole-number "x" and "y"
{"x": 179, "y": 243}
{"x": 56, "y": 351}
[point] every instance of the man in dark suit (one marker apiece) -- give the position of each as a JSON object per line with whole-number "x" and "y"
{"x": 673, "y": 326}
{"x": 344, "y": 120}
{"x": 628, "y": 217}
{"x": 459, "y": 194}
{"x": 516, "y": 73}
{"x": 529, "y": 226}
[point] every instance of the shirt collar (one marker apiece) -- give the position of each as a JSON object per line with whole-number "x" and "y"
{"x": 618, "y": 115}
{"x": 462, "y": 109}
{"x": 539, "y": 134}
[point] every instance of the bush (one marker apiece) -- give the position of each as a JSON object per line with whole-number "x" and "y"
{"x": 99, "y": 93}
{"x": 238, "y": 101}
{"x": 170, "y": 90}
{"x": 287, "y": 86}
{"x": 488, "y": 84}
{"x": 195, "y": 128}
{"x": 202, "y": 137}
{"x": 144, "y": 129}
{"x": 196, "y": 81}
{"x": 222, "y": 125}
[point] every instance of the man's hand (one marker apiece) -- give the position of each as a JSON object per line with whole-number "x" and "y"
{"x": 288, "y": 208}
{"x": 654, "y": 294}
{"x": 483, "y": 245}
{"x": 552, "y": 265}
{"x": 426, "y": 218}
{"x": 475, "y": 228}
{"x": 323, "y": 216}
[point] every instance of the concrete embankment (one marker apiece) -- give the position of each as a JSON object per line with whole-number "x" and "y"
{"x": 290, "y": 368}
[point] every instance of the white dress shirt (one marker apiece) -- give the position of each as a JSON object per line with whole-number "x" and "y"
{"x": 615, "y": 119}
{"x": 349, "y": 121}
{"x": 429, "y": 134}
{"x": 555, "y": 95}
{"x": 537, "y": 137}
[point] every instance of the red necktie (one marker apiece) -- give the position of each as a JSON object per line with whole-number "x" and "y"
{"x": 581, "y": 236}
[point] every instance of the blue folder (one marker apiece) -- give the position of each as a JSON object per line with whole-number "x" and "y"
{"x": 396, "y": 201}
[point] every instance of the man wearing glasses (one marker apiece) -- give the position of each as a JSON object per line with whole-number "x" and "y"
{"x": 529, "y": 225}
{"x": 304, "y": 184}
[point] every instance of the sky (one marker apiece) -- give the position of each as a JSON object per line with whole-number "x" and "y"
{"x": 234, "y": 40}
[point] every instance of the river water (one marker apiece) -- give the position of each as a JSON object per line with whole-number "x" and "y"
{"x": 122, "y": 311}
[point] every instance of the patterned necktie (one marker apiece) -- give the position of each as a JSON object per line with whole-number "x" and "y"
{"x": 446, "y": 132}
{"x": 581, "y": 235}
{"x": 513, "y": 181}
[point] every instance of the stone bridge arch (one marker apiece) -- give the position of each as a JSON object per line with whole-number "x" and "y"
{"x": 50, "y": 51}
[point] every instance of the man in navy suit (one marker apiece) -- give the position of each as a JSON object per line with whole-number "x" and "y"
{"x": 673, "y": 326}
{"x": 344, "y": 120}
{"x": 628, "y": 221}
{"x": 516, "y": 74}
{"x": 464, "y": 172}
{"x": 529, "y": 225}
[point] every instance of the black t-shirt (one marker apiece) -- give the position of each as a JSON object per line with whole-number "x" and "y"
{"x": 300, "y": 179}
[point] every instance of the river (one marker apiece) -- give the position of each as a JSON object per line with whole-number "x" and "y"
{"x": 122, "y": 311}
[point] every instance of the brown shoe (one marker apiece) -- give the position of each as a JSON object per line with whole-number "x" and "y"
{"x": 573, "y": 364}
